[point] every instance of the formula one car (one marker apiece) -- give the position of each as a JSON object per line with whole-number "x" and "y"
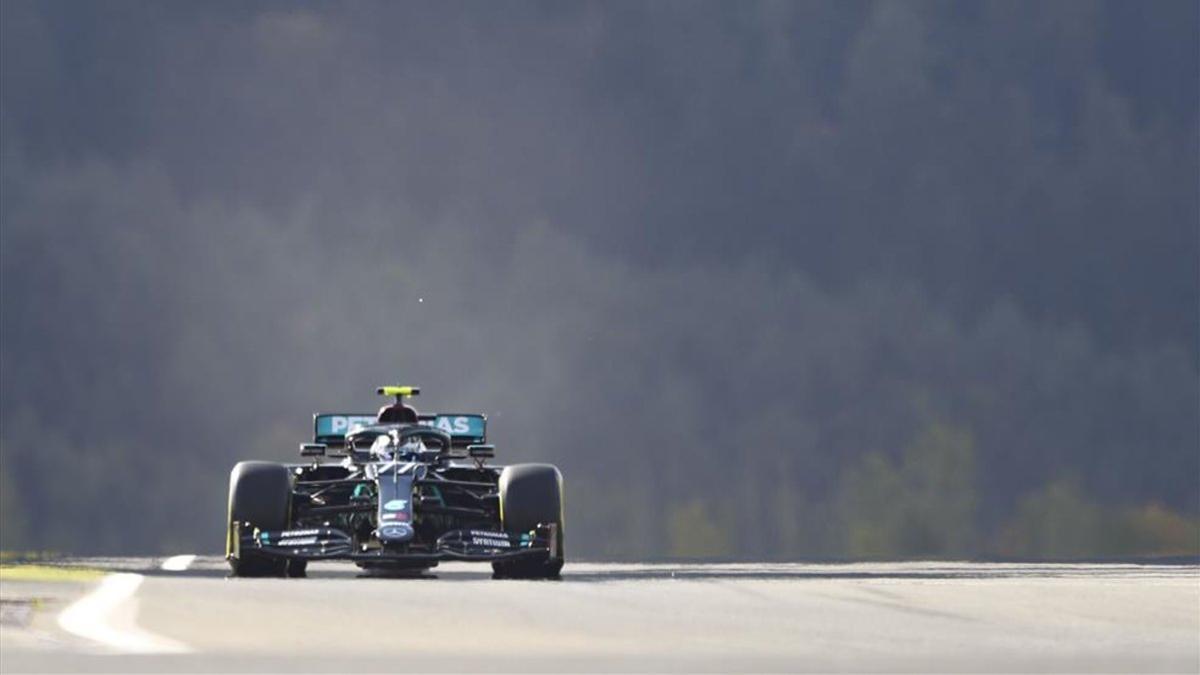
{"x": 405, "y": 491}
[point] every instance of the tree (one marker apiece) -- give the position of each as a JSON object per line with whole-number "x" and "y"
{"x": 925, "y": 506}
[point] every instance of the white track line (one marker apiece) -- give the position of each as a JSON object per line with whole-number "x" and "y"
{"x": 178, "y": 563}
{"x": 89, "y": 618}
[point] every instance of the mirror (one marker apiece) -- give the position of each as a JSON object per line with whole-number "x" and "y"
{"x": 481, "y": 451}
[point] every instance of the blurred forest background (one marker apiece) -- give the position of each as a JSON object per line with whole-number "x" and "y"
{"x": 767, "y": 280}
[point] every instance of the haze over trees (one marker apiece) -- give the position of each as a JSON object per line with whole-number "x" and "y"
{"x": 846, "y": 279}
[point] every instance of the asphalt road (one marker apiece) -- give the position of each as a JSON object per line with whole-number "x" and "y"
{"x": 958, "y": 617}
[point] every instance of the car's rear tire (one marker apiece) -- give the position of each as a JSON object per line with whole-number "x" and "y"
{"x": 260, "y": 493}
{"x": 531, "y": 494}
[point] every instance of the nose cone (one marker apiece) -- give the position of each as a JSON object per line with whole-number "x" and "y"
{"x": 395, "y": 532}
{"x": 395, "y": 509}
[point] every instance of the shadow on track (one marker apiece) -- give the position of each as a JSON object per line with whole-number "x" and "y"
{"x": 601, "y": 572}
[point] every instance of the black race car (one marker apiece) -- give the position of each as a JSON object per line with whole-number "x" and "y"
{"x": 397, "y": 491}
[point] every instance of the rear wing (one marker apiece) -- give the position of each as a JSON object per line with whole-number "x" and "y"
{"x": 464, "y": 428}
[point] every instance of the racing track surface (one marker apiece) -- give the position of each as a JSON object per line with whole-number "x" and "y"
{"x": 609, "y": 617}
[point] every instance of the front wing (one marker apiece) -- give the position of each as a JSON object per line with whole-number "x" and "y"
{"x": 327, "y": 543}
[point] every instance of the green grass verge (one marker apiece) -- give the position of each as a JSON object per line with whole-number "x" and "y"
{"x": 48, "y": 573}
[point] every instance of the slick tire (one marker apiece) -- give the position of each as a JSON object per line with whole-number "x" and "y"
{"x": 260, "y": 493}
{"x": 531, "y": 494}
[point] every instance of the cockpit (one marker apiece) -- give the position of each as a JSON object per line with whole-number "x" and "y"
{"x": 404, "y": 442}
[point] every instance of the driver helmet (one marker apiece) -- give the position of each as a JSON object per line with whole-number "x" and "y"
{"x": 382, "y": 445}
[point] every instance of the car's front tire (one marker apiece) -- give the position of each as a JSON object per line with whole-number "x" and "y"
{"x": 531, "y": 494}
{"x": 260, "y": 494}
